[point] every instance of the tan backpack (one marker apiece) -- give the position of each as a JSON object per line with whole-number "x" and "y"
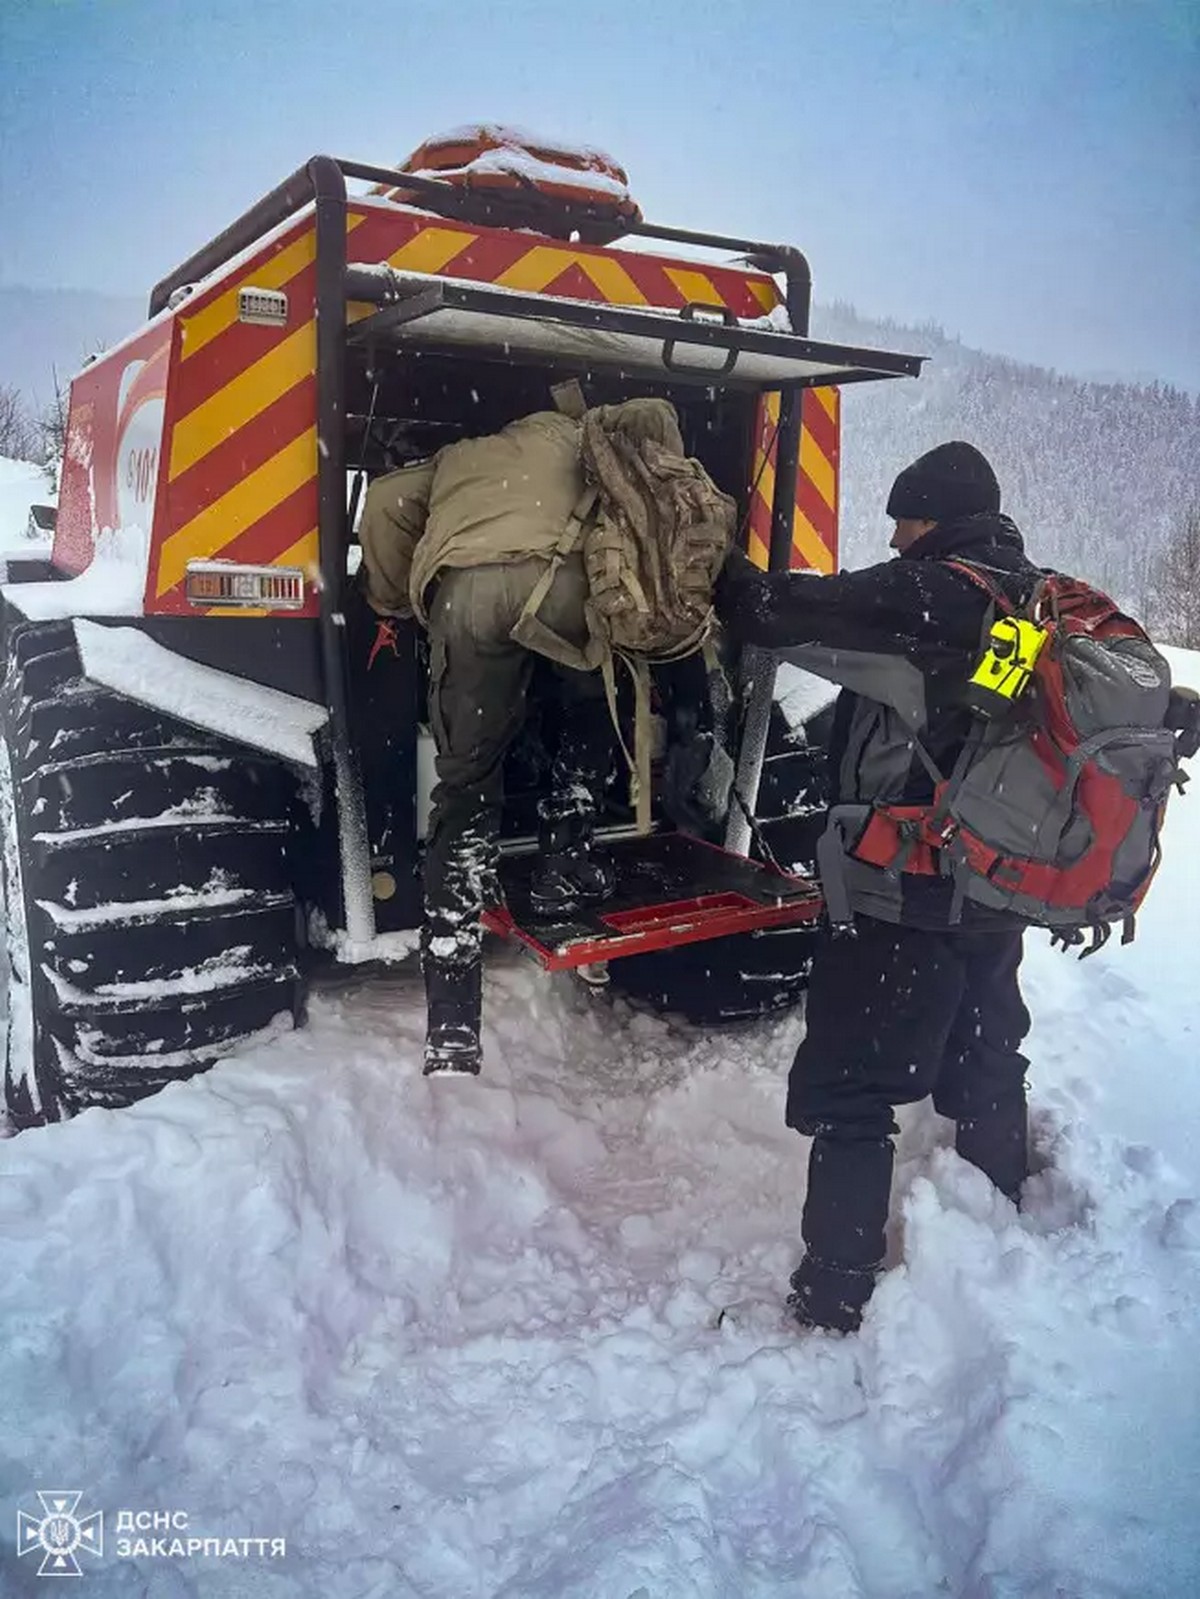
{"x": 656, "y": 538}
{"x": 654, "y": 530}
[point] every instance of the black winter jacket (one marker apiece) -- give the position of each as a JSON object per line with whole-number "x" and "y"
{"x": 912, "y": 615}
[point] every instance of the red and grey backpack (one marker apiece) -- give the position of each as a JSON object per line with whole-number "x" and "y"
{"x": 1054, "y": 808}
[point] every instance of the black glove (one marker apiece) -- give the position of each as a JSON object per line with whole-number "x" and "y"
{"x": 737, "y": 571}
{"x": 697, "y": 783}
{"x": 1183, "y": 718}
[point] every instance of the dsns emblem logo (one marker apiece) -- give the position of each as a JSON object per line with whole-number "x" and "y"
{"x": 60, "y": 1534}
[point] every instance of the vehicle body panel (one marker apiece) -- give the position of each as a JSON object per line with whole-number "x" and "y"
{"x": 205, "y": 426}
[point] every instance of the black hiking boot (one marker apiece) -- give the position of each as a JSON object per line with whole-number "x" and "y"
{"x": 845, "y": 1212}
{"x": 453, "y": 998}
{"x": 830, "y": 1296}
{"x": 998, "y": 1143}
{"x": 572, "y": 870}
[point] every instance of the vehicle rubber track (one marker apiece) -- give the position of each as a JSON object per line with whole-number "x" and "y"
{"x": 152, "y": 924}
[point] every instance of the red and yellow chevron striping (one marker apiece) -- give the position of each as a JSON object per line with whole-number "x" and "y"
{"x": 409, "y": 240}
{"x": 815, "y": 514}
{"x": 240, "y": 442}
{"x": 241, "y": 450}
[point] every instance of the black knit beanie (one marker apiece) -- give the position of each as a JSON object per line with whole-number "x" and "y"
{"x": 950, "y": 481}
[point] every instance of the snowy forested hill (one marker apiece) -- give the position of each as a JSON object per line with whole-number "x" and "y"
{"x": 1099, "y": 476}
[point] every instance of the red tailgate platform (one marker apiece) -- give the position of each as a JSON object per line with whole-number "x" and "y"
{"x": 671, "y": 889}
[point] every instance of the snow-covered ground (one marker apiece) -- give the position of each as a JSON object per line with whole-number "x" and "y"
{"x": 457, "y": 1339}
{"x": 22, "y": 484}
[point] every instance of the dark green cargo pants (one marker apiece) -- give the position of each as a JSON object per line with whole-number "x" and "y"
{"x": 478, "y": 683}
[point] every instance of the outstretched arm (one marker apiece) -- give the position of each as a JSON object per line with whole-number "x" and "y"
{"x": 898, "y": 607}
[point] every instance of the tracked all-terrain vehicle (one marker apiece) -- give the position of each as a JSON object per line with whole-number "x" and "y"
{"x": 208, "y": 766}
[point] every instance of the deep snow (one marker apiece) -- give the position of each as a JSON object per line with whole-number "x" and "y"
{"x": 22, "y": 484}
{"x": 460, "y": 1338}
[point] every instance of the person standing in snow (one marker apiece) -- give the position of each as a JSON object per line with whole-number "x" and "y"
{"x": 924, "y": 998}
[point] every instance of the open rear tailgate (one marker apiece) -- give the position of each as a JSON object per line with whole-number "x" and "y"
{"x": 692, "y": 346}
{"x": 671, "y": 889}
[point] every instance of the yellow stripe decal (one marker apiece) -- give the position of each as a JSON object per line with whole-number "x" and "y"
{"x": 765, "y": 293}
{"x": 536, "y": 268}
{"x": 429, "y": 250}
{"x": 304, "y": 553}
{"x": 766, "y": 484}
{"x": 240, "y": 507}
{"x": 611, "y": 278}
{"x": 829, "y": 397}
{"x": 250, "y": 392}
{"x": 202, "y": 327}
{"x": 220, "y": 314}
{"x": 763, "y": 476}
{"x": 539, "y": 267}
{"x": 694, "y": 286}
{"x": 818, "y": 469}
{"x": 809, "y": 542}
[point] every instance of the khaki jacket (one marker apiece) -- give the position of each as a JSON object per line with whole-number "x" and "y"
{"x": 500, "y": 498}
{"x": 478, "y": 502}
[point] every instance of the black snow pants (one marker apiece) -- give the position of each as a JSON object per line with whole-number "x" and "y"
{"x": 478, "y": 682}
{"x": 894, "y": 1014}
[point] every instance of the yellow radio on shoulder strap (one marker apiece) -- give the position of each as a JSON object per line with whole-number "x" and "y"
{"x": 1003, "y": 674}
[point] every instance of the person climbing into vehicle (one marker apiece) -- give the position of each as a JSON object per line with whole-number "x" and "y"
{"x": 481, "y": 544}
{"x": 925, "y": 997}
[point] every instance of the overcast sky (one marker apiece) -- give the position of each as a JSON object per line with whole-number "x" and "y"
{"x": 1025, "y": 173}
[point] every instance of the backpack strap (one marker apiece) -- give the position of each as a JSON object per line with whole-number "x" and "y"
{"x": 529, "y": 630}
{"x": 568, "y": 399}
{"x": 978, "y": 576}
{"x": 639, "y": 759}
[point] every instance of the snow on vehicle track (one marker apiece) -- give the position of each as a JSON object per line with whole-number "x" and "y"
{"x": 465, "y": 1338}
